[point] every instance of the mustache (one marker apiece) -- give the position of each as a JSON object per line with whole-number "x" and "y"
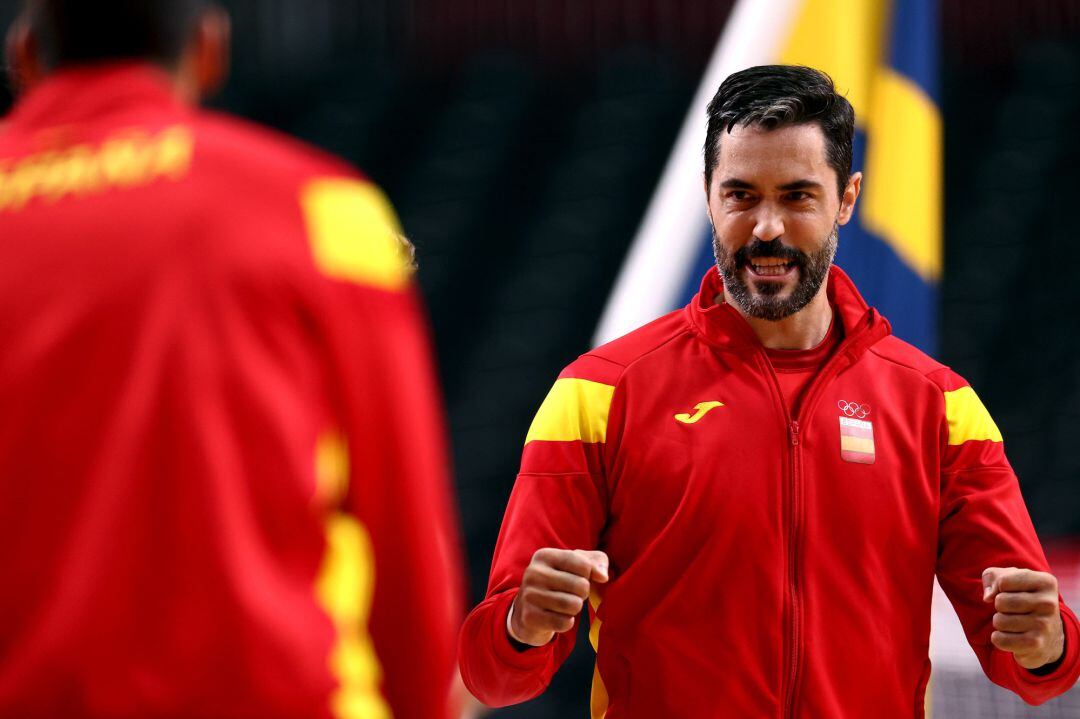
{"x": 773, "y": 249}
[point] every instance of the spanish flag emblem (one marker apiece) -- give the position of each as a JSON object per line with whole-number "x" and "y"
{"x": 856, "y": 440}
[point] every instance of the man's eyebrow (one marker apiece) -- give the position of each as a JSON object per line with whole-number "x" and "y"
{"x": 736, "y": 184}
{"x": 800, "y": 185}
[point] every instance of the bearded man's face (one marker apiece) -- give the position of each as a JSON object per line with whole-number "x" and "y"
{"x": 776, "y": 214}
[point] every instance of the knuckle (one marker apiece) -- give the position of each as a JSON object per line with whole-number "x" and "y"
{"x": 528, "y": 596}
{"x": 566, "y": 604}
{"x": 537, "y": 577}
{"x": 1007, "y": 603}
{"x": 578, "y": 566}
{"x": 1046, "y": 605}
{"x": 543, "y": 555}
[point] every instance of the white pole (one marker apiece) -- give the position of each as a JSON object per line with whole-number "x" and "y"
{"x": 668, "y": 241}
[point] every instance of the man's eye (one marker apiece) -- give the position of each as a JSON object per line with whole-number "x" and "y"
{"x": 798, "y": 196}
{"x": 738, "y": 195}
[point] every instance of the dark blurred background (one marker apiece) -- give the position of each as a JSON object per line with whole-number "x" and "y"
{"x": 521, "y": 140}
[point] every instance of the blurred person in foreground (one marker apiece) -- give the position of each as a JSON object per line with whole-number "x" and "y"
{"x": 223, "y": 479}
{"x": 754, "y": 493}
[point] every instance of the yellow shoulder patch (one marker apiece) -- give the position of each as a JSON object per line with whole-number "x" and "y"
{"x": 968, "y": 419}
{"x": 354, "y": 233}
{"x": 575, "y": 409}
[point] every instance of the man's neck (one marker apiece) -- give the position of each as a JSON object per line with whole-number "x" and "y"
{"x": 801, "y": 331}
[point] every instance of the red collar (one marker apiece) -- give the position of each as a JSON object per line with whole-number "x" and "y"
{"x": 808, "y": 359}
{"x": 73, "y": 95}
{"x": 722, "y": 325}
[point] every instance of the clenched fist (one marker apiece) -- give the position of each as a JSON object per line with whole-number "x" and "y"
{"x": 1028, "y": 617}
{"x": 553, "y": 592}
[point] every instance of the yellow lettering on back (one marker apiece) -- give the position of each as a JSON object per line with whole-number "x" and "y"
{"x": 173, "y": 154}
{"x": 125, "y": 160}
{"x": 5, "y": 188}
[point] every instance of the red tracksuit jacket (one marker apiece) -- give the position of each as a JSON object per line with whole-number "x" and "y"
{"x": 223, "y": 486}
{"x": 762, "y": 565}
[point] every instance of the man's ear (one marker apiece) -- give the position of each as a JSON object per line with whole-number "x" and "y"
{"x": 208, "y": 54}
{"x": 705, "y": 183}
{"x": 25, "y": 67}
{"x": 849, "y": 198}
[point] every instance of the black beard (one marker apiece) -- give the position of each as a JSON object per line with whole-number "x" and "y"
{"x": 764, "y": 304}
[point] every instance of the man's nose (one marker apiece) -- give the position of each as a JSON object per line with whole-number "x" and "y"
{"x": 768, "y": 224}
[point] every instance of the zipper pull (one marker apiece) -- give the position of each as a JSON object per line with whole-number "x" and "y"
{"x": 793, "y": 431}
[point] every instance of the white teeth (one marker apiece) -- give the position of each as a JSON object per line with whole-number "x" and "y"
{"x": 770, "y": 270}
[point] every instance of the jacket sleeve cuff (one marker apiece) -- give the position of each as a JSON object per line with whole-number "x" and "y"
{"x": 1065, "y": 674}
{"x": 506, "y": 653}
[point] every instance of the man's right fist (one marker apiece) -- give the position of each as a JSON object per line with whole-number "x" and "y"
{"x": 553, "y": 592}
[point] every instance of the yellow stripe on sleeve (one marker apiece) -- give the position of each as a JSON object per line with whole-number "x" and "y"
{"x": 345, "y": 589}
{"x": 331, "y": 469}
{"x": 354, "y": 233}
{"x": 598, "y": 699}
{"x": 575, "y": 409}
{"x": 968, "y": 418}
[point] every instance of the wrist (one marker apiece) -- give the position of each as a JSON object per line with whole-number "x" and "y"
{"x": 515, "y": 641}
{"x": 1052, "y": 665}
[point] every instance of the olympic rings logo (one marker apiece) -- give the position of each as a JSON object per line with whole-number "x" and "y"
{"x": 854, "y": 409}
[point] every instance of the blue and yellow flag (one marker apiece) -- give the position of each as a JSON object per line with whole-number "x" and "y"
{"x": 883, "y": 56}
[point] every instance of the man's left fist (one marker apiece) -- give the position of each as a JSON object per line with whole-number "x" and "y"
{"x": 1028, "y": 618}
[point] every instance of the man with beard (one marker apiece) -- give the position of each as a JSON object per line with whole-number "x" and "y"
{"x": 754, "y": 494}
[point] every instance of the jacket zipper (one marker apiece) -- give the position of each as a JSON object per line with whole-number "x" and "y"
{"x": 793, "y": 569}
{"x": 831, "y": 369}
{"x": 792, "y": 628}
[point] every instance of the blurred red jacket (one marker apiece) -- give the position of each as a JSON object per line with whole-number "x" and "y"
{"x": 223, "y": 478}
{"x": 762, "y": 564}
